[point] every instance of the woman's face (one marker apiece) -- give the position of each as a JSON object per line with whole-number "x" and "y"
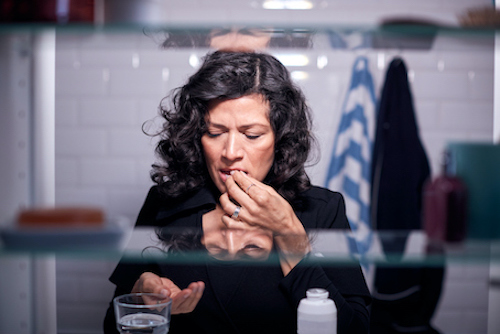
{"x": 239, "y": 137}
{"x": 241, "y": 243}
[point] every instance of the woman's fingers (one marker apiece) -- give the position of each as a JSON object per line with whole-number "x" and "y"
{"x": 192, "y": 300}
{"x": 256, "y": 199}
{"x": 151, "y": 283}
{"x": 236, "y": 216}
{"x": 183, "y": 301}
{"x": 240, "y": 184}
{"x": 148, "y": 282}
{"x": 186, "y": 300}
{"x": 262, "y": 206}
{"x": 236, "y": 196}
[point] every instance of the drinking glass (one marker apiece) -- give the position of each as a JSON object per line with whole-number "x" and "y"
{"x": 145, "y": 313}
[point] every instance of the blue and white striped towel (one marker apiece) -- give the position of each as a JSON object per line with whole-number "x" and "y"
{"x": 350, "y": 166}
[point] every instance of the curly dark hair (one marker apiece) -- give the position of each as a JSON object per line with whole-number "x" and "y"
{"x": 230, "y": 75}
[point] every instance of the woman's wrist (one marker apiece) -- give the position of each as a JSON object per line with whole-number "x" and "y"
{"x": 292, "y": 245}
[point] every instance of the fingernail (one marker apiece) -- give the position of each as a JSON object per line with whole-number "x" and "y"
{"x": 164, "y": 292}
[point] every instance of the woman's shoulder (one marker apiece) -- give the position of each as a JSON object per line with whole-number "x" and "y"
{"x": 321, "y": 194}
{"x": 158, "y": 206}
{"x": 322, "y": 208}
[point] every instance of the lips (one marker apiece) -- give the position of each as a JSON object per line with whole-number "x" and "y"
{"x": 225, "y": 173}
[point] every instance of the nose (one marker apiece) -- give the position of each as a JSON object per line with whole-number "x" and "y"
{"x": 233, "y": 147}
{"x": 233, "y": 243}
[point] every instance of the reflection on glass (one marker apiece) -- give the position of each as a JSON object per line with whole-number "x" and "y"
{"x": 232, "y": 38}
{"x": 237, "y": 243}
{"x": 246, "y": 39}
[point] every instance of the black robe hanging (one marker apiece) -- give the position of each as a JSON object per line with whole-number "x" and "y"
{"x": 404, "y": 298}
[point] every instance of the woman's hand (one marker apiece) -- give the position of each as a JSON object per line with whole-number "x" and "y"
{"x": 260, "y": 205}
{"x": 183, "y": 301}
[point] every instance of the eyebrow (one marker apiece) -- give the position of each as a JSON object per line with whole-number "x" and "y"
{"x": 244, "y": 127}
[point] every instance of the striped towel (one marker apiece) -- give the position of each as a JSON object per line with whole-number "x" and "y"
{"x": 350, "y": 165}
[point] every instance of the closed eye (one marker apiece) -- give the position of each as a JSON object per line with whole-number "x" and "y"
{"x": 213, "y": 134}
{"x": 252, "y": 136}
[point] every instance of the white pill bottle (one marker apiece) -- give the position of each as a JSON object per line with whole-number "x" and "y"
{"x": 317, "y": 314}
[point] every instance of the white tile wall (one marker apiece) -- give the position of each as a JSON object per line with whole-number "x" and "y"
{"x": 463, "y": 306}
{"x": 108, "y": 85}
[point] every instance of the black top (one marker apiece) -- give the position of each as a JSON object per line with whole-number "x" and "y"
{"x": 252, "y": 298}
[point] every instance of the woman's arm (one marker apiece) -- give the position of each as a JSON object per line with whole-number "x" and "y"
{"x": 345, "y": 284}
{"x": 261, "y": 206}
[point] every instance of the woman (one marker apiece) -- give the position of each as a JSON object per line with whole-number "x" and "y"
{"x": 234, "y": 145}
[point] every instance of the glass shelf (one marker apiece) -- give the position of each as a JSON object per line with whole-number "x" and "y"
{"x": 396, "y": 35}
{"x": 386, "y": 248}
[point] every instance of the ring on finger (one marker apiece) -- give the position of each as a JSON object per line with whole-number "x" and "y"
{"x": 236, "y": 212}
{"x": 250, "y": 186}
